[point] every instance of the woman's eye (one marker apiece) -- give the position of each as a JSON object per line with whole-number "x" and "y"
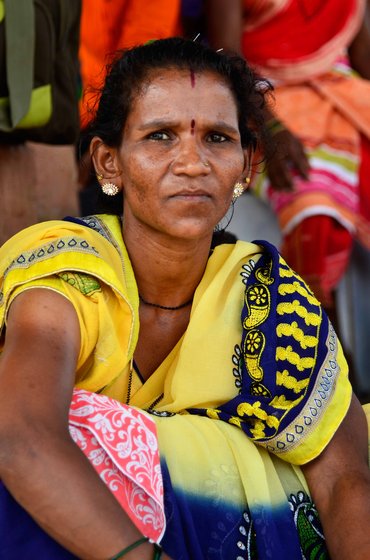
{"x": 159, "y": 135}
{"x": 217, "y": 138}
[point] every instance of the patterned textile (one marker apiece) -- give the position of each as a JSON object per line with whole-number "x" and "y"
{"x": 321, "y": 113}
{"x": 121, "y": 444}
{"x": 286, "y": 362}
{"x": 259, "y": 359}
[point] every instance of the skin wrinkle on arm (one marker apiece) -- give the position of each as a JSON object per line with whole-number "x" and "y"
{"x": 339, "y": 481}
{"x": 39, "y": 463}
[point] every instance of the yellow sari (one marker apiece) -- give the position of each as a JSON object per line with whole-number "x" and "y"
{"x": 258, "y": 364}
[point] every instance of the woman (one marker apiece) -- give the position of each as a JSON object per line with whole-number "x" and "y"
{"x": 215, "y": 345}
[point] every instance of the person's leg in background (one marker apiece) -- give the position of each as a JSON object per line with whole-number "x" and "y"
{"x": 37, "y": 182}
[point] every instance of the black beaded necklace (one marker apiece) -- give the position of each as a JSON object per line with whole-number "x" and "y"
{"x": 166, "y": 307}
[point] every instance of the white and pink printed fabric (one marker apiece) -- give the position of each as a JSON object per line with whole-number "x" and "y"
{"x": 121, "y": 443}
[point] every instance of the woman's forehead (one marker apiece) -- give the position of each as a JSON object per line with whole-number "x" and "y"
{"x": 183, "y": 88}
{"x": 184, "y": 76}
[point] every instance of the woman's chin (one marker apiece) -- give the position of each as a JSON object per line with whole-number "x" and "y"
{"x": 188, "y": 230}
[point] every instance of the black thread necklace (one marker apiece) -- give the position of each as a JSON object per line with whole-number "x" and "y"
{"x": 166, "y": 307}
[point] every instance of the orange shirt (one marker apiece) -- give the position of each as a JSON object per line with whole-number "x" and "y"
{"x": 108, "y": 25}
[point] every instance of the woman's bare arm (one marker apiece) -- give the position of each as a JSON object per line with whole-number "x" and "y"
{"x": 339, "y": 481}
{"x": 359, "y": 50}
{"x": 224, "y": 24}
{"x": 39, "y": 463}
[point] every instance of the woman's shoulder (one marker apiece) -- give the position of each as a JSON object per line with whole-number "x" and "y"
{"x": 51, "y": 238}
{"x": 88, "y": 246}
{"x": 105, "y": 224}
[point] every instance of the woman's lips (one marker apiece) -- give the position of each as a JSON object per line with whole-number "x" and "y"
{"x": 191, "y": 194}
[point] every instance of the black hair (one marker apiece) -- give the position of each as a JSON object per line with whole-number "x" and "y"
{"x": 131, "y": 69}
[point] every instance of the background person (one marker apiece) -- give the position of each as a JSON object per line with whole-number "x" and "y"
{"x": 38, "y": 166}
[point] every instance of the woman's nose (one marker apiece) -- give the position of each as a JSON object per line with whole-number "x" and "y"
{"x": 191, "y": 159}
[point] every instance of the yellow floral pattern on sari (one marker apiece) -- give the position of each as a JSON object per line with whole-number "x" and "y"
{"x": 85, "y": 283}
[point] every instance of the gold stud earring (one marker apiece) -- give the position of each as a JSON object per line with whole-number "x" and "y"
{"x": 248, "y": 180}
{"x": 99, "y": 176}
{"x": 110, "y": 189}
{"x": 238, "y": 191}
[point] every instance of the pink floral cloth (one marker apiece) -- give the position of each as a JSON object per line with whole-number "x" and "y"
{"x": 121, "y": 443}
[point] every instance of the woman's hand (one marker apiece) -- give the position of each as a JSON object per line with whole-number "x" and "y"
{"x": 339, "y": 481}
{"x": 288, "y": 154}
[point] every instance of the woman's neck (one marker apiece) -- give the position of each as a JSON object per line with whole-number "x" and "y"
{"x": 167, "y": 273}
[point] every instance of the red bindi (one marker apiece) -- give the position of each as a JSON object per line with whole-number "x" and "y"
{"x": 192, "y": 78}
{"x": 192, "y": 126}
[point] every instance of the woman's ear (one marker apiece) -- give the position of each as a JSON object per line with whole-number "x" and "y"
{"x": 248, "y": 160}
{"x": 104, "y": 160}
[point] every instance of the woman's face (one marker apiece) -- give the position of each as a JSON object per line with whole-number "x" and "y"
{"x": 180, "y": 155}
